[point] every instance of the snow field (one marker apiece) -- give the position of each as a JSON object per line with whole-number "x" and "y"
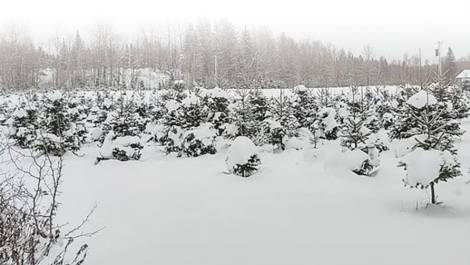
{"x": 304, "y": 205}
{"x": 295, "y": 210}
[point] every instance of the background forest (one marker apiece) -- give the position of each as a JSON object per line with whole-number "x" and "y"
{"x": 205, "y": 54}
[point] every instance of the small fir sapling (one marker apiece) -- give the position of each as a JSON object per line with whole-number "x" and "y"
{"x": 199, "y": 141}
{"x": 121, "y": 133}
{"x": 22, "y": 126}
{"x": 466, "y": 85}
{"x": 242, "y": 157}
{"x": 304, "y": 107}
{"x": 57, "y": 131}
{"x": 327, "y": 124}
{"x": 217, "y": 103}
{"x": 354, "y": 133}
{"x": 283, "y": 109}
{"x": 249, "y": 115}
{"x": 277, "y": 133}
{"x": 433, "y": 157}
{"x": 283, "y": 122}
{"x": 188, "y": 131}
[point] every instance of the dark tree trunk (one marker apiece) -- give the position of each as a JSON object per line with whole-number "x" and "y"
{"x": 433, "y": 195}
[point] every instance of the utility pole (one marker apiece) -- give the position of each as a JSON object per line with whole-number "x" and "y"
{"x": 215, "y": 70}
{"x": 420, "y": 70}
{"x": 438, "y": 55}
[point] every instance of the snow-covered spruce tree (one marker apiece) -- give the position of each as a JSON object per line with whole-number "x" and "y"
{"x": 283, "y": 122}
{"x": 384, "y": 108}
{"x": 199, "y": 135}
{"x": 372, "y": 120}
{"x": 388, "y": 119}
{"x": 277, "y": 133}
{"x": 327, "y": 124}
{"x": 178, "y": 85}
{"x": 354, "y": 134}
{"x": 363, "y": 101}
{"x": 158, "y": 105}
{"x": 466, "y": 85}
{"x": 125, "y": 119}
{"x": 78, "y": 111}
{"x": 433, "y": 157}
{"x": 199, "y": 141}
{"x": 325, "y": 98}
{"x": 144, "y": 109}
{"x": 259, "y": 106}
{"x": 241, "y": 116}
{"x": 99, "y": 104}
{"x": 186, "y": 129}
{"x": 121, "y": 133}
{"x": 375, "y": 110}
{"x": 217, "y": 103}
{"x": 460, "y": 103}
{"x": 57, "y": 133}
{"x": 404, "y": 123}
{"x": 405, "y": 92}
{"x": 171, "y": 120}
{"x": 155, "y": 129}
{"x": 6, "y": 109}
{"x": 249, "y": 115}
{"x": 22, "y": 126}
{"x": 105, "y": 100}
{"x": 305, "y": 107}
{"x": 103, "y": 103}
{"x": 451, "y": 95}
{"x": 242, "y": 157}
{"x": 440, "y": 87}
{"x": 404, "y": 126}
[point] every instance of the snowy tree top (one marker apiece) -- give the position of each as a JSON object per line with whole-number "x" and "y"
{"x": 172, "y": 105}
{"x": 241, "y": 150}
{"x": 300, "y": 88}
{"x": 273, "y": 124}
{"x": 423, "y": 166}
{"x": 421, "y": 99}
{"x": 351, "y": 159}
{"x": 20, "y": 113}
{"x": 56, "y": 95}
{"x": 191, "y": 99}
{"x": 205, "y": 133}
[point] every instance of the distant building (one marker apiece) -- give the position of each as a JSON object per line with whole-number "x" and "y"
{"x": 463, "y": 80}
{"x": 463, "y": 77}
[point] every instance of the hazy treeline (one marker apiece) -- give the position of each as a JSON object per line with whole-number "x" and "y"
{"x": 206, "y": 54}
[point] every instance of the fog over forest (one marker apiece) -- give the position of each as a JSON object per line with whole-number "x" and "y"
{"x": 210, "y": 44}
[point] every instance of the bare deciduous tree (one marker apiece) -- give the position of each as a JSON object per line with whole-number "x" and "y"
{"x": 29, "y": 201}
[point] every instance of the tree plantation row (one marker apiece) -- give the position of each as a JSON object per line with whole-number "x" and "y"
{"x": 191, "y": 122}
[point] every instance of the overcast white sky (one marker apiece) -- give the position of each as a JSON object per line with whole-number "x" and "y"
{"x": 391, "y": 27}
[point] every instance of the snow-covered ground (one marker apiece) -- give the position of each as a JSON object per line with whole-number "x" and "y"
{"x": 297, "y": 209}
